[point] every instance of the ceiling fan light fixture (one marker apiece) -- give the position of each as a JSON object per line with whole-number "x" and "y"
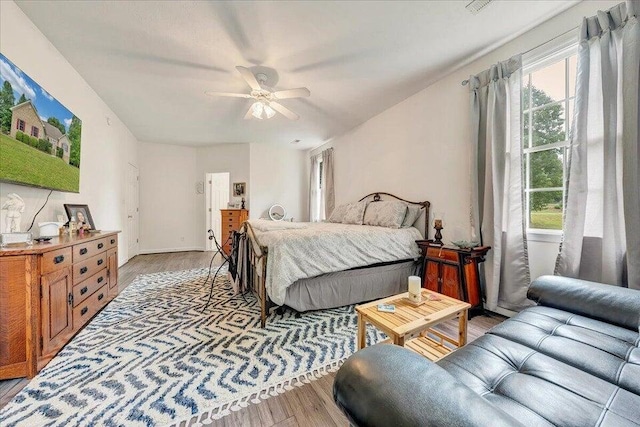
{"x": 270, "y": 112}
{"x": 257, "y": 108}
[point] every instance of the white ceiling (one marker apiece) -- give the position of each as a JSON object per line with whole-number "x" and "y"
{"x": 152, "y": 61}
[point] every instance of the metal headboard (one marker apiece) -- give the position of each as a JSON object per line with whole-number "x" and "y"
{"x": 426, "y": 204}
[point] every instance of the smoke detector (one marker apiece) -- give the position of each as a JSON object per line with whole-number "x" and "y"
{"x": 477, "y": 5}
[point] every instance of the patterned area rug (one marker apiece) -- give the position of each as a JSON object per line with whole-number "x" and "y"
{"x": 151, "y": 357}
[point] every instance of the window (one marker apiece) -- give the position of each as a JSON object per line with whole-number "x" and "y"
{"x": 21, "y": 125}
{"x": 65, "y": 147}
{"x": 547, "y": 106}
{"x": 34, "y": 131}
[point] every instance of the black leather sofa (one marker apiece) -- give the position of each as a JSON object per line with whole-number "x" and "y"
{"x": 571, "y": 360}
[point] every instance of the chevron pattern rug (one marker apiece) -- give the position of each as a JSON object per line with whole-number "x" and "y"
{"x": 152, "y": 357}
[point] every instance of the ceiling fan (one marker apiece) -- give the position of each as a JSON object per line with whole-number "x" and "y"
{"x": 266, "y": 101}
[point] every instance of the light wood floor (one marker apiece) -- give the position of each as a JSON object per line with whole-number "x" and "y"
{"x": 310, "y": 405}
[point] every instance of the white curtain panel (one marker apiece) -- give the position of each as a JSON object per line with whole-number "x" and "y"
{"x": 602, "y": 218}
{"x": 315, "y": 209}
{"x": 497, "y": 195}
{"x": 328, "y": 190}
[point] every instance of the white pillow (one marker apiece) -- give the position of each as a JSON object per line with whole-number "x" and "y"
{"x": 413, "y": 213}
{"x": 338, "y": 214}
{"x": 354, "y": 213}
{"x": 385, "y": 214}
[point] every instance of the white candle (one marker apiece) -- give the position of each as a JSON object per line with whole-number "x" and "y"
{"x": 415, "y": 289}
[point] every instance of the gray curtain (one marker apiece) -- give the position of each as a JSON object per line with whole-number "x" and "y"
{"x": 602, "y": 217}
{"x": 496, "y": 181}
{"x": 328, "y": 190}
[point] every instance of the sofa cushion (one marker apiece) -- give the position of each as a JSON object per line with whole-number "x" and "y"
{"x": 547, "y": 364}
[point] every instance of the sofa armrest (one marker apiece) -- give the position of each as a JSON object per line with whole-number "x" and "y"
{"x": 387, "y": 385}
{"x": 611, "y": 304}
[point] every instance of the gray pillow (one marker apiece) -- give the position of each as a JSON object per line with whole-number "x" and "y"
{"x": 338, "y": 214}
{"x": 385, "y": 214}
{"x": 413, "y": 213}
{"x": 354, "y": 213}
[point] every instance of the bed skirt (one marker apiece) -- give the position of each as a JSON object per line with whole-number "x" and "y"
{"x": 350, "y": 287}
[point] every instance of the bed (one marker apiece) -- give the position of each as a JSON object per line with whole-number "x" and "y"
{"x": 312, "y": 266}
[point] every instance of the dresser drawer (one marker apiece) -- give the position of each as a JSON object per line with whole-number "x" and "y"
{"x": 442, "y": 253}
{"x": 89, "y": 267}
{"x": 55, "y": 260}
{"x": 88, "y": 249}
{"x": 86, "y": 288}
{"x": 90, "y": 306}
{"x": 112, "y": 241}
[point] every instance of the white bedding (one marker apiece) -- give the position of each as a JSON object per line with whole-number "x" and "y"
{"x": 306, "y": 250}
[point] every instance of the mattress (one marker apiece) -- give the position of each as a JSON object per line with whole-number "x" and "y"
{"x": 307, "y": 250}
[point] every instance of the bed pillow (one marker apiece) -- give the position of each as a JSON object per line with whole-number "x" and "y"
{"x": 385, "y": 214}
{"x": 338, "y": 214}
{"x": 354, "y": 213}
{"x": 413, "y": 213}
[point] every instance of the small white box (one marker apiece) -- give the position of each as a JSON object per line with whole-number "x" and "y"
{"x": 15, "y": 239}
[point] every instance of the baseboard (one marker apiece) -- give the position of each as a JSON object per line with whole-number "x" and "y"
{"x": 162, "y": 251}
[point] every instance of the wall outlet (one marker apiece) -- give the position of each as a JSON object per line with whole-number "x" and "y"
{"x": 182, "y": 239}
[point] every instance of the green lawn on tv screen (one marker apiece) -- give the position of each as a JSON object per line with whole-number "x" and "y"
{"x": 24, "y": 164}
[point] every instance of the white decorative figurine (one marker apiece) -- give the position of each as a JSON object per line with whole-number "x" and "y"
{"x": 14, "y": 207}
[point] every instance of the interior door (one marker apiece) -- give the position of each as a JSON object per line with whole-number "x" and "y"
{"x": 56, "y": 309}
{"x": 132, "y": 210}
{"x": 217, "y": 198}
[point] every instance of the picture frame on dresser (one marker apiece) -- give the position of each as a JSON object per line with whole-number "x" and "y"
{"x": 81, "y": 214}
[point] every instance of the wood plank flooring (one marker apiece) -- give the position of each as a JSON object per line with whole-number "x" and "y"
{"x": 310, "y": 405}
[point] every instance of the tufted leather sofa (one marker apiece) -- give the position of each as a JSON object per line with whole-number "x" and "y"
{"x": 572, "y": 360}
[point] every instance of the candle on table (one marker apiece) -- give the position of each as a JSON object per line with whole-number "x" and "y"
{"x": 415, "y": 289}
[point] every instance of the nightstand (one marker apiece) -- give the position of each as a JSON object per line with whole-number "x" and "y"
{"x": 452, "y": 271}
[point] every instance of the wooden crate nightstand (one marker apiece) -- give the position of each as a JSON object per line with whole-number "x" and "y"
{"x": 232, "y": 219}
{"x": 453, "y": 272}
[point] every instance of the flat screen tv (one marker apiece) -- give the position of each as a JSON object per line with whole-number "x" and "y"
{"x": 39, "y": 137}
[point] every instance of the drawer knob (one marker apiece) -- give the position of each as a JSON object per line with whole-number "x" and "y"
{"x": 83, "y": 311}
{"x": 100, "y": 245}
{"x": 83, "y": 290}
{"x": 83, "y": 251}
{"x": 113, "y": 241}
{"x": 100, "y": 297}
{"x": 100, "y": 261}
{"x": 58, "y": 259}
{"x": 83, "y": 270}
{"x": 100, "y": 279}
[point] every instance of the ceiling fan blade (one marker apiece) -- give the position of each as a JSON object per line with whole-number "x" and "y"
{"x": 284, "y": 111}
{"x": 300, "y": 92}
{"x": 248, "y": 115}
{"x": 233, "y": 95}
{"x": 249, "y": 77}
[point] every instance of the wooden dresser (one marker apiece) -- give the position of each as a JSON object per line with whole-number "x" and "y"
{"x": 453, "y": 272}
{"x": 232, "y": 219}
{"x": 48, "y": 292}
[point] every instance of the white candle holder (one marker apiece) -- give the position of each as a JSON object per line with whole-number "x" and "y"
{"x": 415, "y": 289}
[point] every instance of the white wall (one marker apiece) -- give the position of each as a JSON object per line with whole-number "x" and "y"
{"x": 168, "y": 202}
{"x": 419, "y": 149}
{"x": 232, "y": 158}
{"x": 279, "y": 176}
{"x": 106, "y": 150}
{"x": 173, "y": 215}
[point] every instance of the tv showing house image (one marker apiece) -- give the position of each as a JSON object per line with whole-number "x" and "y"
{"x": 39, "y": 137}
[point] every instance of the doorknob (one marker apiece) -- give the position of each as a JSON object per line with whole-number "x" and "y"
{"x": 129, "y": 216}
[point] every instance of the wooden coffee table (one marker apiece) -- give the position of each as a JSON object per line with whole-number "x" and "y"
{"x": 412, "y": 327}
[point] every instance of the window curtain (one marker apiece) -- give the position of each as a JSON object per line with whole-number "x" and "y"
{"x": 602, "y": 216}
{"x": 315, "y": 210}
{"x": 328, "y": 191}
{"x": 497, "y": 197}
